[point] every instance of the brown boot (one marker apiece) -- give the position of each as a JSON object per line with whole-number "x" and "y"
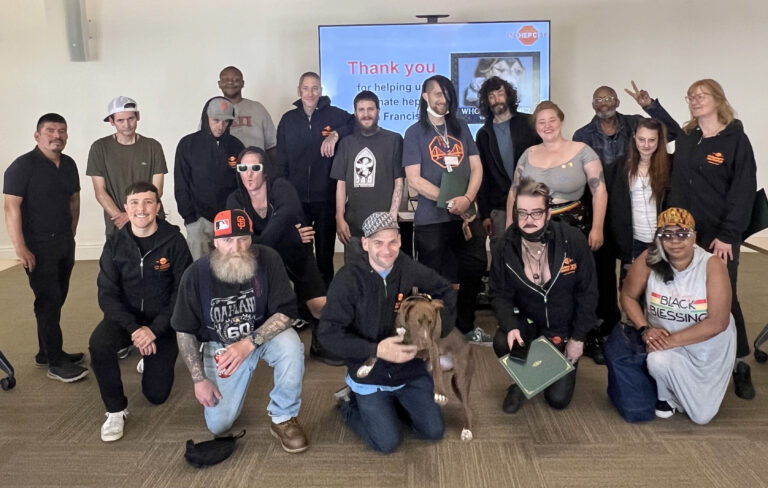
{"x": 291, "y": 436}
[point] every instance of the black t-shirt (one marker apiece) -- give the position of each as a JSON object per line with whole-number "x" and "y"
{"x": 46, "y": 191}
{"x": 236, "y": 310}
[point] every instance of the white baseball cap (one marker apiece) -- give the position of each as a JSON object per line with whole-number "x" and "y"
{"x": 121, "y": 104}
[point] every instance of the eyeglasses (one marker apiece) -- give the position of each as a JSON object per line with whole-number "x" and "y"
{"x": 256, "y": 168}
{"x": 534, "y": 214}
{"x": 699, "y": 97}
{"x": 604, "y": 99}
{"x": 669, "y": 235}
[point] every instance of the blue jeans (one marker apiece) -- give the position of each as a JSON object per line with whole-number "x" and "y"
{"x": 285, "y": 354}
{"x": 376, "y": 417}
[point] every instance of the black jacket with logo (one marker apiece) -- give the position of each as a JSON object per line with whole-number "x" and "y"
{"x": 715, "y": 178}
{"x": 565, "y": 307}
{"x": 496, "y": 182}
{"x": 360, "y": 312}
{"x": 204, "y": 173}
{"x": 136, "y": 290}
{"x": 298, "y": 148}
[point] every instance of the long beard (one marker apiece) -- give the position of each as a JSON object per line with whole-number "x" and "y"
{"x": 232, "y": 268}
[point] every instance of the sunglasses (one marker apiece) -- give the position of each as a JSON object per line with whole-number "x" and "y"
{"x": 679, "y": 234}
{"x": 256, "y": 168}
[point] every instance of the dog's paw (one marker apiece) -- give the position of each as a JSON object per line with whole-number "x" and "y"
{"x": 441, "y": 399}
{"x": 363, "y": 371}
{"x": 400, "y": 331}
{"x": 466, "y": 435}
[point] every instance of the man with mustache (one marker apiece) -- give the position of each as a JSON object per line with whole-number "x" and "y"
{"x": 505, "y": 135}
{"x": 542, "y": 283}
{"x": 139, "y": 273}
{"x": 42, "y": 207}
{"x": 609, "y": 134}
{"x": 447, "y": 237}
{"x": 239, "y": 303}
{"x": 368, "y": 173}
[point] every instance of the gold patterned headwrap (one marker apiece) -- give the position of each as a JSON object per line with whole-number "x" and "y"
{"x": 676, "y": 216}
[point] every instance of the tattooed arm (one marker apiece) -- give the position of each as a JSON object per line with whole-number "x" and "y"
{"x": 596, "y": 182}
{"x": 205, "y": 391}
{"x": 238, "y": 352}
{"x": 273, "y": 326}
{"x": 511, "y": 196}
{"x": 397, "y": 195}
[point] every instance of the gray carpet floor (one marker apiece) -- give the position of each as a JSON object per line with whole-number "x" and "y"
{"x": 49, "y": 431}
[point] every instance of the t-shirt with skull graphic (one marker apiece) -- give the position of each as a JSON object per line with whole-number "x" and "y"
{"x": 427, "y": 146}
{"x": 369, "y": 165}
{"x": 236, "y": 310}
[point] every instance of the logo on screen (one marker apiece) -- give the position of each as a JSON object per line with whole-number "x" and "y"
{"x": 527, "y": 35}
{"x": 437, "y": 150}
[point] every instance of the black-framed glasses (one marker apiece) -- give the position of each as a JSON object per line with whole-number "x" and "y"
{"x": 256, "y": 168}
{"x": 608, "y": 99}
{"x": 668, "y": 235}
{"x": 536, "y": 214}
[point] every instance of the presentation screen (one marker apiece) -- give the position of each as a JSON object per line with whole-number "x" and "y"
{"x": 394, "y": 60}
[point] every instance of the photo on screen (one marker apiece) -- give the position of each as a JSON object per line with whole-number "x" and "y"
{"x": 470, "y": 70}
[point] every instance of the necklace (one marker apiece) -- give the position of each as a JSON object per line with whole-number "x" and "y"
{"x": 540, "y": 254}
{"x": 444, "y": 136}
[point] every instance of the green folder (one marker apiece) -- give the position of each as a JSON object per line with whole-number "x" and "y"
{"x": 451, "y": 186}
{"x": 544, "y": 366}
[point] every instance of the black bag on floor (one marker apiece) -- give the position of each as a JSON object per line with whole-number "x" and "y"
{"x": 631, "y": 389}
{"x": 211, "y": 452}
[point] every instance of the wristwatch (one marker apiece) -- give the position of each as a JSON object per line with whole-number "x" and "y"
{"x": 257, "y": 339}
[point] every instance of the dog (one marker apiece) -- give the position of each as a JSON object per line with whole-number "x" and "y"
{"x": 418, "y": 322}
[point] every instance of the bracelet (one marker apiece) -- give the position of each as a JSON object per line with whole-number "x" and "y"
{"x": 468, "y": 199}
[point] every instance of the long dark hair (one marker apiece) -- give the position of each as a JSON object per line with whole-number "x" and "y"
{"x": 658, "y": 172}
{"x": 449, "y": 92}
{"x": 492, "y": 84}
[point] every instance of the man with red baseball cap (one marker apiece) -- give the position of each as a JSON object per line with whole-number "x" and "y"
{"x": 238, "y": 302}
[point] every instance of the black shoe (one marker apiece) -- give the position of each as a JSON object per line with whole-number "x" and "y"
{"x": 664, "y": 410}
{"x": 593, "y": 348}
{"x": 124, "y": 352}
{"x": 67, "y": 372}
{"x": 514, "y": 399}
{"x": 315, "y": 352}
{"x": 742, "y": 381}
{"x": 41, "y": 361}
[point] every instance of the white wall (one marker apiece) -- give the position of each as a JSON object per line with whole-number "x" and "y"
{"x": 167, "y": 55}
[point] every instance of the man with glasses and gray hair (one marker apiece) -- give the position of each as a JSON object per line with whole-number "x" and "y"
{"x": 542, "y": 284}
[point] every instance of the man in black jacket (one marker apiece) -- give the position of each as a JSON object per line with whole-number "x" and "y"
{"x": 358, "y": 323}
{"x": 204, "y": 174}
{"x": 542, "y": 283}
{"x": 139, "y": 274}
{"x": 501, "y": 141}
{"x": 306, "y": 142}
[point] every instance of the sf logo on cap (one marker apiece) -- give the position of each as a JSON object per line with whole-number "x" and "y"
{"x": 240, "y": 222}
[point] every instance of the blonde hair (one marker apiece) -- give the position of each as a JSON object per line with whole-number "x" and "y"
{"x": 725, "y": 113}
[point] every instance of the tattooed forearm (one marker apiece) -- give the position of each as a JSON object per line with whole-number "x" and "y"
{"x": 397, "y": 194}
{"x": 189, "y": 349}
{"x": 273, "y": 326}
{"x": 595, "y": 182}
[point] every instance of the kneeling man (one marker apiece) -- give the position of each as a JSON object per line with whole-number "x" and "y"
{"x": 139, "y": 273}
{"x": 542, "y": 283}
{"x": 239, "y": 302}
{"x": 358, "y": 322}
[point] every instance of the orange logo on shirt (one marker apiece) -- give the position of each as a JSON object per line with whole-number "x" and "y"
{"x": 437, "y": 150}
{"x": 327, "y": 131}
{"x": 232, "y": 161}
{"x": 569, "y": 266}
{"x": 715, "y": 158}
{"x": 162, "y": 264}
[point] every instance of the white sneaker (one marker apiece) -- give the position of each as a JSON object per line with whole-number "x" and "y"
{"x": 140, "y": 366}
{"x": 112, "y": 429}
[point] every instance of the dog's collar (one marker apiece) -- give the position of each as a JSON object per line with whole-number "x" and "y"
{"x": 420, "y": 296}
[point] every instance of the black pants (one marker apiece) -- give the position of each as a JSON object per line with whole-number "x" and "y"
{"x": 443, "y": 248}
{"x": 322, "y": 216}
{"x": 607, "y": 300}
{"x": 157, "y": 380}
{"x": 49, "y": 280}
{"x": 560, "y": 393}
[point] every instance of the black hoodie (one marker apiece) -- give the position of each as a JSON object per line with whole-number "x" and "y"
{"x": 715, "y": 178}
{"x": 360, "y": 312}
{"x": 204, "y": 174}
{"x": 137, "y": 290}
{"x": 298, "y": 148}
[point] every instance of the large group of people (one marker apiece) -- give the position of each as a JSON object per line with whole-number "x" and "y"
{"x": 263, "y": 206}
